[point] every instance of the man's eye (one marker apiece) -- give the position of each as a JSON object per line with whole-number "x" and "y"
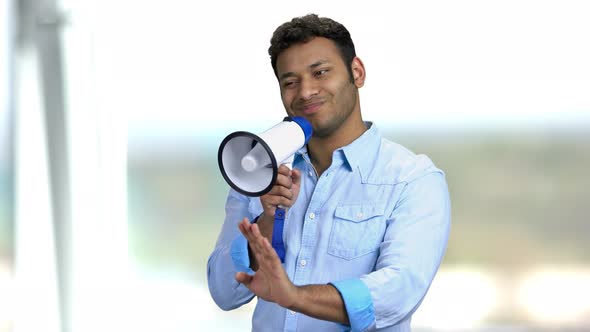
{"x": 289, "y": 84}
{"x": 320, "y": 72}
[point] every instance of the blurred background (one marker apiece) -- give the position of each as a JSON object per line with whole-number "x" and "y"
{"x": 111, "y": 114}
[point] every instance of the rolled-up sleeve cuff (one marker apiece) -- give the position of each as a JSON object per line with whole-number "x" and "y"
{"x": 239, "y": 254}
{"x": 358, "y": 303}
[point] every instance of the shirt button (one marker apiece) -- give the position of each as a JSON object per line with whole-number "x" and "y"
{"x": 311, "y": 216}
{"x": 310, "y": 173}
{"x": 303, "y": 262}
{"x": 359, "y": 215}
{"x": 292, "y": 312}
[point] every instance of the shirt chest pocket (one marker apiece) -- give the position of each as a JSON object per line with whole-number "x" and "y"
{"x": 357, "y": 230}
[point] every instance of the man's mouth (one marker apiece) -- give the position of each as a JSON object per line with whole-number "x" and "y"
{"x": 311, "y": 108}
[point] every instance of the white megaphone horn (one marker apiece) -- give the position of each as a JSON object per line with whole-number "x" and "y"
{"x": 249, "y": 163}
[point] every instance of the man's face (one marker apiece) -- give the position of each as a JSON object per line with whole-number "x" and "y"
{"x": 315, "y": 84}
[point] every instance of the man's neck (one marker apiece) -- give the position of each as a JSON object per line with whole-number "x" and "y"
{"x": 320, "y": 149}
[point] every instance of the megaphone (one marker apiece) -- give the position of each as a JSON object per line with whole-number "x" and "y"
{"x": 249, "y": 163}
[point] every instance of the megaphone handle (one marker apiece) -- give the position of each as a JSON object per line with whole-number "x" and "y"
{"x": 277, "y": 233}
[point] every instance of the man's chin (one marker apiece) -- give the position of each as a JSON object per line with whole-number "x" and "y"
{"x": 322, "y": 132}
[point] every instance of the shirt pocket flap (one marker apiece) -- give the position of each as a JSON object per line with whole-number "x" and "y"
{"x": 359, "y": 212}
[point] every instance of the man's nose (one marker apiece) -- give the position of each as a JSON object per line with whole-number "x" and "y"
{"x": 308, "y": 88}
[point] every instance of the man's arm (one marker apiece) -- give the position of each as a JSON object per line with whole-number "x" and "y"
{"x": 272, "y": 284}
{"x": 221, "y": 266}
{"x": 232, "y": 250}
{"x": 321, "y": 302}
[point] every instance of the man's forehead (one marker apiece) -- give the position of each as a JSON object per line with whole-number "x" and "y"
{"x": 305, "y": 56}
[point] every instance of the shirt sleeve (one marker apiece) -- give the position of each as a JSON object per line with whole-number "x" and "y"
{"x": 229, "y": 256}
{"x": 239, "y": 252}
{"x": 359, "y": 305}
{"x": 410, "y": 254}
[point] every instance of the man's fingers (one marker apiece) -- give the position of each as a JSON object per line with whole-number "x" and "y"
{"x": 281, "y": 191}
{"x": 265, "y": 250}
{"x": 284, "y": 192}
{"x": 271, "y": 259}
{"x": 284, "y": 180}
{"x": 284, "y": 170}
{"x": 255, "y": 239}
{"x": 246, "y": 229}
{"x": 272, "y": 201}
{"x": 256, "y": 231}
{"x": 244, "y": 226}
{"x": 261, "y": 245}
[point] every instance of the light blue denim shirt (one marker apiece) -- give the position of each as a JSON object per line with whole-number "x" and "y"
{"x": 375, "y": 225}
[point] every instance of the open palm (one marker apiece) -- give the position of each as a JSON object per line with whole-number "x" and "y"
{"x": 270, "y": 282}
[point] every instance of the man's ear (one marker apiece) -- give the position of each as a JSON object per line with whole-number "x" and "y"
{"x": 358, "y": 72}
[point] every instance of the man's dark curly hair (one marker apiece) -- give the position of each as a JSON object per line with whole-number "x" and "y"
{"x": 303, "y": 29}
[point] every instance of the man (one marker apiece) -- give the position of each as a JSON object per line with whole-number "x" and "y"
{"x": 367, "y": 222}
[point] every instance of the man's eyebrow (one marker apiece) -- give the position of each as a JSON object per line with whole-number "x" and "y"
{"x": 312, "y": 66}
{"x": 285, "y": 75}
{"x": 318, "y": 63}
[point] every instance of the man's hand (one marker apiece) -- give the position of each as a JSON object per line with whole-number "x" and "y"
{"x": 270, "y": 282}
{"x": 284, "y": 192}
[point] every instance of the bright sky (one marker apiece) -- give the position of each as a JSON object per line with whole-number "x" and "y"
{"x": 201, "y": 68}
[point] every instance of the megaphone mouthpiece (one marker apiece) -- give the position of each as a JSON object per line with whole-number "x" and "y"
{"x": 257, "y": 157}
{"x": 249, "y": 163}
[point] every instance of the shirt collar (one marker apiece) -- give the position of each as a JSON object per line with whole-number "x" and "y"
{"x": 360, "y": 153}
